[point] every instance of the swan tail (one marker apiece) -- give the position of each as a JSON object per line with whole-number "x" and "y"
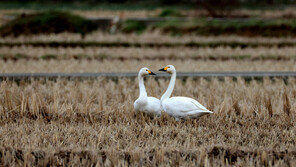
{"x": 206, "y": 112}
{"x": 209, "y": 112}
{"x": 196, "y": 114}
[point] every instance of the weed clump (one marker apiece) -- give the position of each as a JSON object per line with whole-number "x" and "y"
{"x": 170, "y": 13}
{"x": 133, "y": 26}
{"x": 47, "y": 22}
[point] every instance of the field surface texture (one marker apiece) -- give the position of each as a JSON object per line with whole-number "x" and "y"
{"x": 93, "y": 122}
{"x": 90, "y": 122}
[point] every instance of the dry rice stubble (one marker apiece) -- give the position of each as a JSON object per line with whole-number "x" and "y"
{"x": 98, "y": 115}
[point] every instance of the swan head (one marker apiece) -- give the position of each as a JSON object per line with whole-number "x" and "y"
{"x": 169, "y": 69}
{"x": 145, "y": 71}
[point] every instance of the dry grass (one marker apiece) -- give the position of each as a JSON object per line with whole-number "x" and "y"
{"x": 146, "y": 37}
{"x": 90, "y": 122}
{"x": 151, "y": 52}
{"x": 282, "y": 13}
{"x": 71, "y": 65}
{"x": 267, "y": 14}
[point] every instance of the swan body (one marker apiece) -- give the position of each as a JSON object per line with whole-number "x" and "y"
{"x": 180, "y": 107}
{"x": 149, "y": 105}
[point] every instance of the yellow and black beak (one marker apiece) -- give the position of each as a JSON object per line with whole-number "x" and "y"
{"x": 163, "y": 69}
{"x": 151, "y": 73}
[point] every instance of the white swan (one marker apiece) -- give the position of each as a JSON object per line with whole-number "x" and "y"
{"x": 180, "y": 107}
{"x": 149, "y": 105}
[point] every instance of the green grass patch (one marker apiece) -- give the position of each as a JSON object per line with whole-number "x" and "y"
{"x": 168, "y": 12}
{"x": 249, "y": 27}
{"x": 83, "y": 5}
{"x": 48, "y": 22}
{"x": 133, "y": 26}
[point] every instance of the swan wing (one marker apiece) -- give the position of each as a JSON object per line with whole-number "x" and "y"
{"x": 184, "y": 105}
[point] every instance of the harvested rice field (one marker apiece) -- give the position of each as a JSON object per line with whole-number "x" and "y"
{"x": 225, "y": 57}
{"x": 92, "y": 122}
{"x": 153, "y": 53}
{"x": 79, "y": 66}
{"x": 145, "y": 37}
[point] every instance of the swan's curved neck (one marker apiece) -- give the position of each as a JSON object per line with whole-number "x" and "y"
{"x": 143, "y": 92}
{"x": 170, "y": 89}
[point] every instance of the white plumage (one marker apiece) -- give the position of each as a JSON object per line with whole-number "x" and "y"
{"x": 149, "y": 105}
{"x": 180, "y": 107}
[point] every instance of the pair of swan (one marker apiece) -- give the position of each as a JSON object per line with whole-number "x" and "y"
{"x": 178, "y": 107}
